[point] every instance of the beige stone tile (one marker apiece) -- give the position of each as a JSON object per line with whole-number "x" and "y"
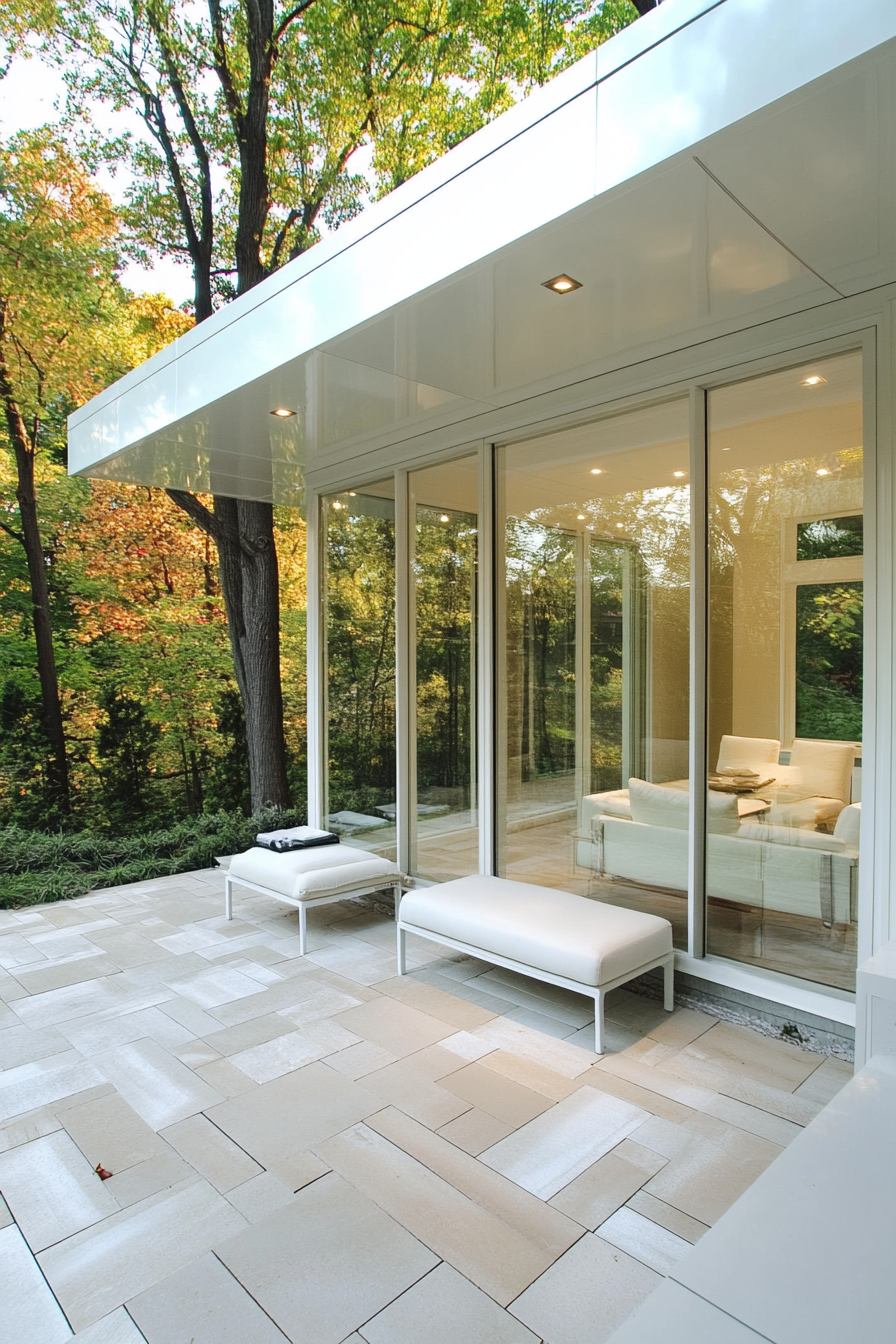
{"x": 458, "y": 1013}
{"x": 275, "y": 1121}
{"x": 128, "y": 947}
{"x": 711, "y": 1076}
{"x": 634, "y": 1011}
{"x": 359, "y": 1060}
{"x": 215, "y": 1156}
{"x": 116, "y": 1328}
{"x": 498, "y": 1095}
{"x": 28, "y": 1310}
{"x": 104, "y": 1266}
{"x": 824, "y": 1084}
{"x": 283, "y": 997}
{"x": 707, "y": 1175}
{"x": 194, "y": 1053}
{"x": 245, "y": 1035}
{"x": 773, "y": 1063}
{"x": 587, "y": 1294}
{"x": 282, "y": 1055}
{"x": 37, "y": 979}
{"x": 363, "y": 964}
{"x": 754, "y": 1120}
{"x": 189, "y": 1015}
{"x": 535, "y": 1077}
{"x": 157, "y": 1085}
{"x": 224, "y": 1078}
{"x": 92, "y": 1037}
{"x": 212, "y": 988}
{"x": 403, "y": 1085}
{"x": 474, "y": 1131}
{"x": 394, "y": 1026}
{"x": 316, "y": 1003}
{"x": 681, "y": 1027}
{"x": 46, "y": 1088}
{"x": 647, "y": 1241}
{"x": 656, "y": 1080}
{"x": 51, "y": 1190}
{"x": 147, "y": 1178}
{"x": 667, "y": 1216}
{"x": 654, "y": 1102}
{"x": 202, "y": 1304}
{"x": 551, "y": 1053}
{"x": 330, "y": 1036}
{"x": 551, "y": 1150}
{"x": 354, "y": 1259}
{"x": 324, "y": 976}
{"x": 299, "y": 1169}
{"x": 108, "y": 996}
{"x": 21, "y": 1045}
{"x": 261, "y": 1195}
{"x": 434, "y": 1062}
{"x": 608, "y": 1183}
{"x": 444, "y": 1308}
{"x": 466, "y": 1046}
{"x": 494, "y": 1256}
{"x": 544, "y": 1227}
{"x": 110, "y": 1133}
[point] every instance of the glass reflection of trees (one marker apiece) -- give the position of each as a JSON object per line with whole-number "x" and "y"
{"x": 445, "y": 572}
{"x": 361, "y": 652}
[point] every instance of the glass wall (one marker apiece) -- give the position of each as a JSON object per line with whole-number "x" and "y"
{"x": 785, "y": 669}
{"x": 593, "y": 658}
{"x": 358, "y": 535}
{"x": 444, "y": 505}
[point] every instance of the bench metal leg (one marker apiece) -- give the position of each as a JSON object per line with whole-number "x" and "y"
{"x": 402, "y": 966}
{"x": 228, "y": 899}
{"x": 396, "y": 893}
{"x": 599, "y": 1023}
{"x": 303, "y": 930}
{"x": 669, "y": 985}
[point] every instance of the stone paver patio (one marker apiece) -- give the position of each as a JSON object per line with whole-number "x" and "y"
{"x": 311, "y": 1149}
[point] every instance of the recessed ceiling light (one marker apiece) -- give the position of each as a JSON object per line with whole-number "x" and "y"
{"x": 562, "y": 284}
{"x": 596, "y": 471}
{"x": 336, "y": 504}
{"x": 813, "y": 380}
{"x": 822, "y": 471}
{"x": 443, "y": 518}
{"x": 581, "y": 517}
{"x": 620, "y": 524}
{"x": 282, "y": 412}
{"x": 678, "y": 473}
{"x": 352, "y": 493}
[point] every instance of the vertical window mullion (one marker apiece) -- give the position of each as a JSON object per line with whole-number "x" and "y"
{"x": 405, "y": 680}
{"x": 486, "y": 688}
{"x": 698, "y": 678}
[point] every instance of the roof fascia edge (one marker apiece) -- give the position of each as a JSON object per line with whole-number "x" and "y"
{"x": 269, "y": 288}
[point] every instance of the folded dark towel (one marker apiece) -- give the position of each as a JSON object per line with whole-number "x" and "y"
{"x": 297, "y": 837}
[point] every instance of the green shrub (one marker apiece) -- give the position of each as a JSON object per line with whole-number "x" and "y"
{"x": 39, "y": 866}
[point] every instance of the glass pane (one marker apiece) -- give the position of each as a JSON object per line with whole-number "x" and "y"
{"x": 829, "y": 661}
{"x": 785, "y": 656}
{"x": 444, "y": 818}
{"x": 593, "y": 687}
{"x": 358, "y": 529}
{"x": 826, "y": 538}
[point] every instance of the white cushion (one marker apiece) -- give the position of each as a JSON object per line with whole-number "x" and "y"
{"x": 826, "y": 766}
{"x": 658, "y": 805}
{"x": 750, "y": 753}
{"x": 848, "y": 826}
{"x": 303, "y": 874}
{"x": 613, "y": 803}
{"x": 554, "y": 931}
{"x": 790, "y": 835}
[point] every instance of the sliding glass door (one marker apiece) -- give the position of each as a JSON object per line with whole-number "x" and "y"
{"x": 785, "y": 669}
{"x": 593, "y": 648}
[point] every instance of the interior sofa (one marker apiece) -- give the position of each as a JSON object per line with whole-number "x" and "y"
{"x": 641, "y": 834}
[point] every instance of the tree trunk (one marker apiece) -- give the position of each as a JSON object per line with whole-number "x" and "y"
{"x": 30, "y": 539}
{"x": 644, "y": 6}
{"x": 243, "y": 531}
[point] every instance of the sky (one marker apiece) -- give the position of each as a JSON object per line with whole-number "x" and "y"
{"x": 29, "y": 95}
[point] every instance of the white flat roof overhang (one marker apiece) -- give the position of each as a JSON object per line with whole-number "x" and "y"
{"x": 718, "y": 163}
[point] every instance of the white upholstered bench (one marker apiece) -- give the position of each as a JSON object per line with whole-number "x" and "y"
{"x": 566, "y": 940}
{"x": 315, "y": 876}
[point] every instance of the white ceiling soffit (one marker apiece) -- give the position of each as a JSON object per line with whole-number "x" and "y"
{"x": 714, "y": 165}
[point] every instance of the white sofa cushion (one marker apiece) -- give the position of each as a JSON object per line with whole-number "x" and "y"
{"x": 791, "y": 835}
{"x": 658, "y": 805}
{"x": 613, "y": 803}
{"x": 303, "y": 874}
{"x": 826, "y": 767}
{"x": 570, "y": 936}
{"x": 750, "y": 753}
{"x": 848, "y": 826}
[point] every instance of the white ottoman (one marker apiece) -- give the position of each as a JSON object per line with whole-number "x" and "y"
{"x": 315, "y": 876}
{"x": 566, "y": 940}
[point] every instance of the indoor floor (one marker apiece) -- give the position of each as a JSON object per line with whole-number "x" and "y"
{"x": 311, "y": 1149}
